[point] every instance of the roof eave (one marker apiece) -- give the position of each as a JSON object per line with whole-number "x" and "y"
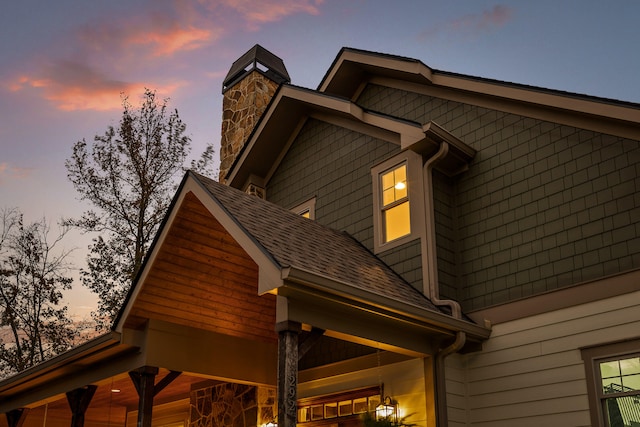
{"x": 288, "y": 111}
{"x": 297, "y": 280}
{"x": 352, "y": 68}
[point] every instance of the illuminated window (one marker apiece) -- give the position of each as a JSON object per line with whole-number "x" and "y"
{"x": 396, "y": 217}
{"x": 398, "y": 200}
{"x": 615, "y": 390}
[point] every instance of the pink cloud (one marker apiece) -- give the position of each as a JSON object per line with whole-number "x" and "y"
{"x": 256, "y": 12}
{"x": 473, "y": 23}
{"x": 161, "y": 36}
{"x": 167, "y": 43}
{"x": 73, "y": 86}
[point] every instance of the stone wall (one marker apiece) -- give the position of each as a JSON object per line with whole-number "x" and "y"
{"x": 242, "y": 106}
{"x": 232, "y": 405}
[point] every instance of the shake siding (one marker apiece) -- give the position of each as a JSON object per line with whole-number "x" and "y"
{"x": 530, "y": 372}
{"x": 334, "y": 164}
{"x": 542, "y": 206}
{"x": 446, "y": 225}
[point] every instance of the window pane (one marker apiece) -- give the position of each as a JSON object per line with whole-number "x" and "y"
{"x": 397, "y": 222}
{"x": 387, "y": 180}
{"x": 631, "y": 382}
{"x": 388, "y": 196}
{"x": 623, "y": 411}
{"x": 630, "y": 366}
{"x": 394, "y": 185}
{"x": 610, "y": 369}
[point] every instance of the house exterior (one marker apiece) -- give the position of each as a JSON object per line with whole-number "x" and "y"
{"x": 464, "y": 248}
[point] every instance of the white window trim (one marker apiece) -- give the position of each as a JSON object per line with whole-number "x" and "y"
{"x": 308, "y": 205}
{"x": 416, "y": 195}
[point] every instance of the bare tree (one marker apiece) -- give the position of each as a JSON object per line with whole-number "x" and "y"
{"x": 129, "y": 175}
{"x": 33, "y": 275}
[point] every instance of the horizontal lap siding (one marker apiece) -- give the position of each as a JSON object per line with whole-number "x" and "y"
{"x": 530, "y": 371}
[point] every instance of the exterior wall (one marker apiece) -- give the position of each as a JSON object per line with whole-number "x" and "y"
{"x": 403, "y": 381}
{"x": 542, "y": 206}
{"x": 446, "y": 235}
{"x": 530, "y": 372}
{"x": 334, "y": 165}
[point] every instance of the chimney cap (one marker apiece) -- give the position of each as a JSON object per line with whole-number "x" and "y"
{"x": 259, "y": 59}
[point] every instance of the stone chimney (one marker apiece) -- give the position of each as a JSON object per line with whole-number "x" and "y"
{"x": 249, "y": 86}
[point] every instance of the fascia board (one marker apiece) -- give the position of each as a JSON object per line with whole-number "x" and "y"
{"x": 539, "y": 96}
{"x": 52, "y": 378}
{"x": 379, "y": 63}
{"x": 379, "y": 66}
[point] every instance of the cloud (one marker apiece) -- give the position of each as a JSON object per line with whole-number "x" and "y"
{"x": 73, "y": 85}
{"x": 473, "y": 23}
{"x": 257, "y": 12}
{"x": 10, "y": 173}
{"x": 99, "y": 60}
{"x": 160, "y": 36}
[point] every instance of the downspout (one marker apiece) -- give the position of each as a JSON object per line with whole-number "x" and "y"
{"x": 432, "y": 288}
{"x": 441, "y": 386}
{"x": 429, "y": 254}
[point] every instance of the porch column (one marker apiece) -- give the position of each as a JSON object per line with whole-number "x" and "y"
{"x": 79, "y": 400}
{"x": 287, "y": 372}
{"x": 144, "y": 379}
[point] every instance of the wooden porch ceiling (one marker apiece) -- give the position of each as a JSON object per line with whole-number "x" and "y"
{"x": 108, "y": 407}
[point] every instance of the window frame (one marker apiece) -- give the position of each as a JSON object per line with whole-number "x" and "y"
{"x": 415, "y": 198}
{"x": 592, "y": 357}
{"x": 306, "y": 206}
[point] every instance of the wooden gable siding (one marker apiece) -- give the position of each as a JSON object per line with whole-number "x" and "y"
{"x": 531, "y": 372}
{"x": 542, "y": 206}
{"x": 202, "y": 278}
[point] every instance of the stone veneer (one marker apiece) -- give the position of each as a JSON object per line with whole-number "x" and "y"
{"x": 242, "y": 106}
{"x": 232, "y": 405}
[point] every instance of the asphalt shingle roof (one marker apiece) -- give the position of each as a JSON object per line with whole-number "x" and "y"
{"x": 294, "y": 241}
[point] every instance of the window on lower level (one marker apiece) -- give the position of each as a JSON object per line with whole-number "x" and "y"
{"x": 613, "y": 379}
{"x": 620, "y": 386}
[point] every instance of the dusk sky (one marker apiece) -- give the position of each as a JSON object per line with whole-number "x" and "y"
{"x": 64, "y": 64}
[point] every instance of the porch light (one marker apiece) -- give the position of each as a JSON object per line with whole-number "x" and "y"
{"x": 387, "y": 410}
